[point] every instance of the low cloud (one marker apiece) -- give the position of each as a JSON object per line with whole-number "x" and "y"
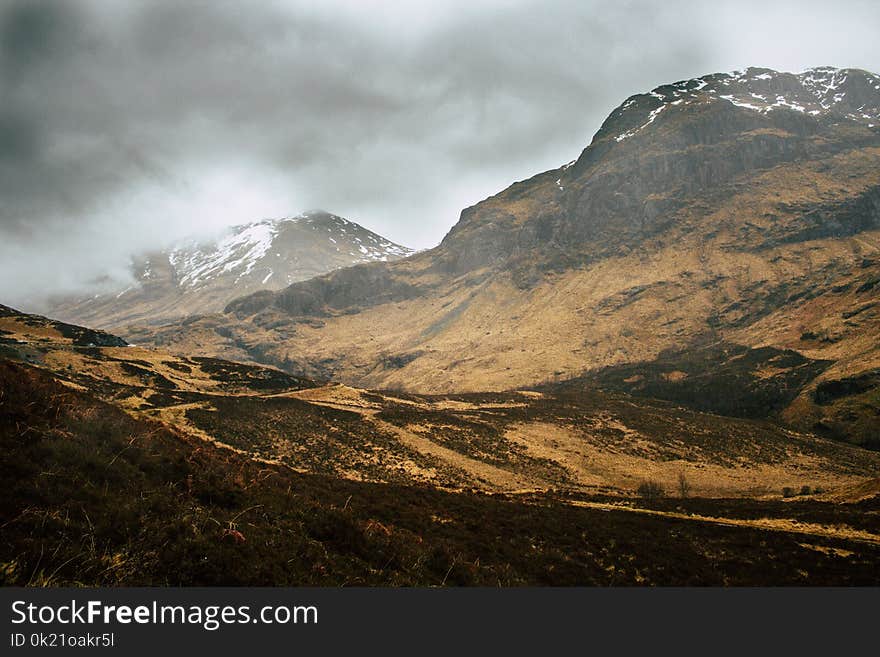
{"x": 126, "y": 125}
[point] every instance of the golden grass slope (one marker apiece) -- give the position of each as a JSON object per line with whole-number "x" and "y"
{"x": 500, "y": 442}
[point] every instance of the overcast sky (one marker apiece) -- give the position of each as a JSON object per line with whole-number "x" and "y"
{"x": 127, "y": 124}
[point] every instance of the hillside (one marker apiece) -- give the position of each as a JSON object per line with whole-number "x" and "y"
{"x": 199, "y": 276}
{"x": 729, "y": 211}
{"x": 96, "y": 498}
{"x": 585, "y": 441}
{"x": 127, "y": 466}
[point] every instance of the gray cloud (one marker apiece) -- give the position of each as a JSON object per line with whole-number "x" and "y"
{"x": 124, "y": 125}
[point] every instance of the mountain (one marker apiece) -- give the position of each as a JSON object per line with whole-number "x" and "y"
{"x": 726, "y": 215}
{"x": 201, "y": 276}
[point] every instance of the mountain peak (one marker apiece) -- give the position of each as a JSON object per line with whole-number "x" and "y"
{"x": 822, "y": 92}
{"x": 317, "y": 214}
{"x": 654, "y": 153}
{"x": 272, "y": 246}
{"x": 198, "y": 275}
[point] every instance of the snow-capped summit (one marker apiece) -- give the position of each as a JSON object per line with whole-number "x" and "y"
{"x": 824, "y": 93}
{"x": 197, "y": 276}
{"x": 286, "y": 250}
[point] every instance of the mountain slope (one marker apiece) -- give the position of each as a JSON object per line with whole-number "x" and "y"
{"x": 571, "y": 440}
{"x": 196, "y": 276}
{"x": 737, "y": 209}
{"x": 95, "y": 497}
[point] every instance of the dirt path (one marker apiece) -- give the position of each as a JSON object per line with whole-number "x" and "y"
{"x": 493, "y": 477}
{"x": 175, "y": 416}
{"x": 500, "y": 480}
{"x": 785, "y": 525}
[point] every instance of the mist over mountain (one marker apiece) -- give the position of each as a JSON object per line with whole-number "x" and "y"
{"x": 127, "y": 125}
{"x": 198, "y": 275}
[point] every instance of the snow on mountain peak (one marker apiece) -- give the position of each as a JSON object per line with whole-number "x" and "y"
{"x": 249, "y": 248}
{"x": 201, "y": 275}
{"x": 846, "y": 93}
{"x": 237, "y": 250}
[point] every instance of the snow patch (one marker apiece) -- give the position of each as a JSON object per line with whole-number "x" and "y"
{"x": 651, "y": 117}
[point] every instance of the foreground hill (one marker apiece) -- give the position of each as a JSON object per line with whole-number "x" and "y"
{"x": 728, "y": 212}
{"x": 584, "y": 441}
{"x": 111, "y": 480}
{"x": 202, "y": 276}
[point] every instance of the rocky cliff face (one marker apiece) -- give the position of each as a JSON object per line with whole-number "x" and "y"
{"x": 659, "y": 151}
{"x": 201, "y": 276}
{"x": 734, "y": 209}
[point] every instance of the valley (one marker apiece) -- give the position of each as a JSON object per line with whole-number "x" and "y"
{"x": 153, "y": 459}
{"x": 658, "y": 364}
{"x": 581, "y": 440}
